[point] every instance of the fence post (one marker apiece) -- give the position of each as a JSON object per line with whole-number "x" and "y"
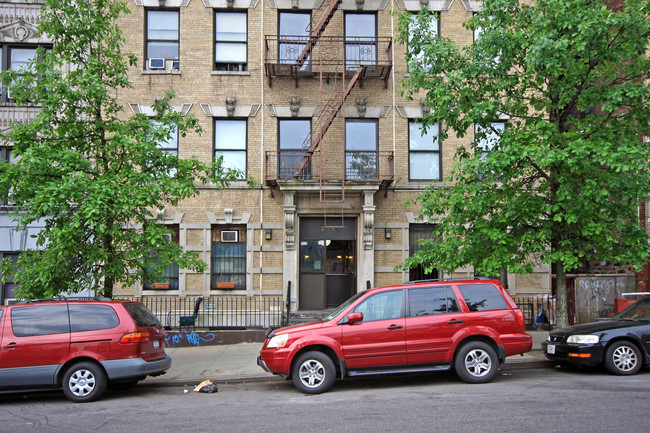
{"x": 288, "y": 308}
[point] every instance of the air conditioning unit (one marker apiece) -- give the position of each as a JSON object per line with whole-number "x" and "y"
{"x": 229, "y": 236}
{"x": 156, "y": 63}
{"x": 173, "y": 65}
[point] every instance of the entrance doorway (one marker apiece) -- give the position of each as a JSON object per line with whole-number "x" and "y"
{"x": 327, "y": 263}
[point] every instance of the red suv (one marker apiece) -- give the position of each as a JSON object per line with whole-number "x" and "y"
{"x": 469, "y": 325}
{"x": 80, "y": 345}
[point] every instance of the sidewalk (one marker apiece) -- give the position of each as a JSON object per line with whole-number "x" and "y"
{"x": 238, "y": 363}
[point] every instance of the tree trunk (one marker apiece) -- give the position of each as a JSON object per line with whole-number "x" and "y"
{"x": 561, "y": 312}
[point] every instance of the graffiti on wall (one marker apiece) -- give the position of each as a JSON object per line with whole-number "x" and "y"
{"x": 188, "y": 339}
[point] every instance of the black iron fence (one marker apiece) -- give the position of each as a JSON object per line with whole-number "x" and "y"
{"x": 218, "y": 312}
{"x": 539, "y": 311}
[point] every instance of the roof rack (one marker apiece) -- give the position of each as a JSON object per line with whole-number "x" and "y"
{"x": 69, "y": 298}
{"x": 446, "y": 279}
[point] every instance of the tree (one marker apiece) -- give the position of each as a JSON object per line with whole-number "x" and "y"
{"x": 562, "y": 181}
{"x": 93, "y": 175}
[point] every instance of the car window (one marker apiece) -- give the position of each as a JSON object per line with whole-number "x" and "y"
{"x": 141, "y": 315}
{"x": 638, "y": 311}
{"x": 40, "y": 320}
{"x": 482, "y": 297}
{"x": 432, "y": 300}
{"x": 92, "y": 317}
{"x": 382, "y": 306}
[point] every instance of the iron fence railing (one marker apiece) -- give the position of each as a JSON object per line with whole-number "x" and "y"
{"x": 539, "y": 311}
{"x": 218, "y": 312}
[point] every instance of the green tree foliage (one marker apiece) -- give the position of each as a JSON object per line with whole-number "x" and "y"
{"x": 564, "y": 179}
{"x": 91, "y": 174}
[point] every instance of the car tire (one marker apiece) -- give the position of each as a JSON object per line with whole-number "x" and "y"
{"x": 476, "y": 362}
{"x": 313, "y": 373}
{"x": 623, "y": 358}
{"x": 84, "y": 382}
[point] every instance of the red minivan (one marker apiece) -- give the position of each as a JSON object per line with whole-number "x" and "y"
{"x": 82, "y": 346}
{"x": 468, "y": 325}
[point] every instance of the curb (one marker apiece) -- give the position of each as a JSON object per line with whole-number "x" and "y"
{"x": 521, "y": 365}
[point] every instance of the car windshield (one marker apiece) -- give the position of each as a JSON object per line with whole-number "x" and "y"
{"x": 342, "y": 307}
{"x": 638, "y": 311}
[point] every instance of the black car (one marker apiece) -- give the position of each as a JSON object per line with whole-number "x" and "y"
{"x": 621, "y": 343}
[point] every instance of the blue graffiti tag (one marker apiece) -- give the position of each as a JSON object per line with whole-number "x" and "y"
{"x": 191, "y": 338}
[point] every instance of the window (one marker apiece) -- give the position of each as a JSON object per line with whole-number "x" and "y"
{"x": 424, "y": 152}
{"x": 6, "y": 156}
{"x": 169, "y": 280}
{"x": 142, "y": 317}
{"x": 228, "y": 270}
{"x": 9, "y": 286}
{"x": 382, "y": 306}
{"x": 432, "y": 300}
{"x": 293, "y": 37}
{"x": 17, "y": 57}
{"x": 162, "y": 39}
{"x": 482, "y": 297}
{"x": 230, "y": 142}
{"x": 487, "y": 139}
{"x": 361, "y": 143}
{"x": 415, "y": 30}
{"x": 418, "y": 232}
{"x": 169, "y": 146}
{"x": 230, "y": 41}
{"x": 40, "y": 320}
{"x": 92, "y": 317}
{"x": 360, "y": 39}
{"x": 294, "y": 137}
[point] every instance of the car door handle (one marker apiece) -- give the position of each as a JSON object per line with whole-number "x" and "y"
{"x": 11, "y": 345}
{"x": 453, "y": 322}
{"x": 395, "y": 327}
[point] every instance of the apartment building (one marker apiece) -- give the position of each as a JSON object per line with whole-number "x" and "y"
{"x": 304, "y": 97}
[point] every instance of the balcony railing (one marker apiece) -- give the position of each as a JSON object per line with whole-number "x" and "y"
{"x": 330, "y": 55}
{"x": 359, "y": 166}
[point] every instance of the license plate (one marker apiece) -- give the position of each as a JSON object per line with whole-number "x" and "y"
{"x": 156, "y": 344}
{"x": 550, "y": 349}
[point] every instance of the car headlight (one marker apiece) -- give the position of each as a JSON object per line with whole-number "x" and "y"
{"x": 583, "y": 339}
{"x": 278, "y": 341}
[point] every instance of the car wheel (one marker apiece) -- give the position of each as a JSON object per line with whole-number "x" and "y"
{"x": 623, "y": 358}
{"x": 476, "y": 362}
{"x": 313, "y": 373}
{"x": 84, "y": 382}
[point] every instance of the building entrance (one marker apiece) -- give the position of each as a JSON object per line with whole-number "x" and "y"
{"x": 327, "y": 263}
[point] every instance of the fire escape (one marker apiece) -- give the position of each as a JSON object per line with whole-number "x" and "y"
{"x": 340, "y": 64}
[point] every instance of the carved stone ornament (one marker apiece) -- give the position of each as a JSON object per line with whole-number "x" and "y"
{"x": 230, "y": 3}
{"x": 362, "y": 106}
{"x": 425, "y": 108}
{"x": 230, "y": 105}
{"x": 359, "y": 4}
{"x": 424, "y": 3}
{"x": 294, "y": 105}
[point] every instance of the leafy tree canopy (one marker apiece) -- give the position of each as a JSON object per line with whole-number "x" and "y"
{"x": 562, "y": 182}
{"x": 91, "y": 174}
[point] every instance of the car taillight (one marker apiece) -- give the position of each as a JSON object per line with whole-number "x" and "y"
{"x": 520, "y": 320}
{"x": 135, "y": 337}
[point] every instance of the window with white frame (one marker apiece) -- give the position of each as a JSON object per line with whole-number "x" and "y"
{"x": 424, "y": 152}
{"x": 162, "y": 39}
{"x": 230, "y": 41}
{"x": 230, "y": 142}
{"x": 294, "y": 137}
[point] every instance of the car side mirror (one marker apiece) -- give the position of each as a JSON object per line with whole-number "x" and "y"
{"x": 355, "y": 317}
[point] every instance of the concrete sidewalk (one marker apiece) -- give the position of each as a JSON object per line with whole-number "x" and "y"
{"x": 238, "y": 363}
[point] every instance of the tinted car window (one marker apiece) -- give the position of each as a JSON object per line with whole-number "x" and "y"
{"x": 382, "y": 306}
{"x": 92, "y": 317}
{"x": 482, "y": 297}
{"x": 432, "y": 300}
{"x": 40, "y": 320}
{"x": 141, "y": 315}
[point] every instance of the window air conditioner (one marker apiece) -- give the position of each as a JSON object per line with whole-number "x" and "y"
{"x": 172, "y": 65}
{"x": 229, "y": 236}
{"x": 156, "y": 63}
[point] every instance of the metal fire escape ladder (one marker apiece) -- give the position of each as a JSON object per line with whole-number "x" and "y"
{"x": 328, "y": 121}
{"x": 315, "y": 33}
